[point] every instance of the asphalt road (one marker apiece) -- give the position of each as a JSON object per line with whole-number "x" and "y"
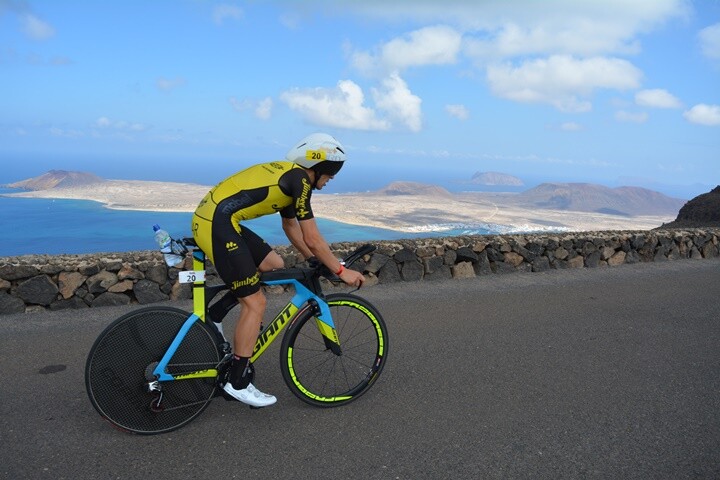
{"x": 595, "y": 373}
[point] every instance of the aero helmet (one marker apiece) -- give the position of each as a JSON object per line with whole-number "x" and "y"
{"x": 319, "y": 152}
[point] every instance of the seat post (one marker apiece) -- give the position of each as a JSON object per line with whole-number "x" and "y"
{"x": 199, "y": 306}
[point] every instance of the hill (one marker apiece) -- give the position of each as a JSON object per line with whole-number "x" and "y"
{"x": 495, "y": 178}
{"x": 57, "y": 179}
{"x": 587, "y": 197}
{"x": 413, "y": 188}
{"x": 701, "y": 211}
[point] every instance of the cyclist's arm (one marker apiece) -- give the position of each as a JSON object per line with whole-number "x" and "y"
{"x": 294, "y": 234}
{"x": 320, "y": 249}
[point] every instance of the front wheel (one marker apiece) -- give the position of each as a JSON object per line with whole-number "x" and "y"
{"x": 322, "y": 377}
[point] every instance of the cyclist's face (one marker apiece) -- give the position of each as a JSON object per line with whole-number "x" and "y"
{"x": 324, "y": 179}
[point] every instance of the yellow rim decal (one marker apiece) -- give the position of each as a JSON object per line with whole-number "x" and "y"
{"x": 305, "y": 391}
{"x": 381, "y": 340}
{"x": 332, "y": 332}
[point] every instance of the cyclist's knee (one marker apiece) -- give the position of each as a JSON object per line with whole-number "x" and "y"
{"x": 272, "y": 261}
{"x": 255, "y": 302}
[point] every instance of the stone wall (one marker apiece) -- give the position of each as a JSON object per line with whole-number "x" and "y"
{"x": 38, "y": 282}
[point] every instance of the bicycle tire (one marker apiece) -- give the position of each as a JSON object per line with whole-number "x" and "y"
{"x": 318, "y": 376}
{"x": 120, "y": 364}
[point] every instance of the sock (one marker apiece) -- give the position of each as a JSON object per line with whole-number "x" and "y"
{"x": 239, "y": 369}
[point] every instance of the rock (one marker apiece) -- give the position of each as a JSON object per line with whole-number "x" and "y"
{"x": 502, "y": 267}
{"x": 147, "y": 291}
{"x": 17, "y": 272}
{"x": 377, "y": 262}
{"x": 389, "y": 273}
{"x": 441, "y": 273}
{"x": 463, "y": 270}
{"x": 606, "y": 252}
{"x": 38, "y": 290}
{"x": 74, "y": 303}
{"x": 432, "y": 264}
{"x": 68, "y": 283}
{"x": 412, "y": 271}
{"x": 593, "y": 259}
{"x": 494, "y": 255}
{"x": 129, "y": 273}
{"x": 108, "y": 299}
{"x": 617, "y": 259}
{"x": 514, "y": 259}
{"x": 466, "y": 254}
{"x": 101, "y": 281}
{"x": 157, "y": 274}
{"x": 10, "y": 304}
{"x": 181, "y": 291}
{"x": 541, "y": 264}
{"x": 89, "y": 269}
{"x": 709, "y": 250}
{"x": 120, "y": 287}
{"x": 450, "y": 257}
{"x": 482, "y": 267}
{"x": 576, "y": 262}
{"x": 405, "y": 255}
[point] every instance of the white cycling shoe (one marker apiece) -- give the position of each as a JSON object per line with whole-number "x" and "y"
{"x": 250, "y": 395}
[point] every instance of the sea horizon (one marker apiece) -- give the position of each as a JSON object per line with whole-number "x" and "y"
{"x": 45, "y": 226}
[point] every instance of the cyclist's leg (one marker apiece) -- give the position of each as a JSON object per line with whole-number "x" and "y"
{"x": 237, "y": 256}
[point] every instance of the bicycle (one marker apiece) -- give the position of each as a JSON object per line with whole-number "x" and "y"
{"x": 156, "y": 369}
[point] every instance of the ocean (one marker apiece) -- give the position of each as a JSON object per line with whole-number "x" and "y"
{"x": 57, "y": 226}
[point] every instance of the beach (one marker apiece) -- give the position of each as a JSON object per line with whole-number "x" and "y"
{"x": 404, "y": 213}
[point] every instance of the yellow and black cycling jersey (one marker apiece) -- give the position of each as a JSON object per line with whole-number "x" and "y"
{"x": 259, "y": 190}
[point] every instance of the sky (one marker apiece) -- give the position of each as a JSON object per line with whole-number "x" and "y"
{"x": 613, "y": 92}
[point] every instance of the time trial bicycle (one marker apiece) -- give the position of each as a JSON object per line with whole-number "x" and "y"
{"x": 156, "y": 369}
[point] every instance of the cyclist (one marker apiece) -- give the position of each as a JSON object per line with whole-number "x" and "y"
{"x": 239, "y": 255}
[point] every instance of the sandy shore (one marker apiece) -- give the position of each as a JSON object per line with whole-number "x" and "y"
{"x": 406, "y": 213}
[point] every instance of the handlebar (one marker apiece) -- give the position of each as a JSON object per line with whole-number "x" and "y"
{"x": 352, "y": 257}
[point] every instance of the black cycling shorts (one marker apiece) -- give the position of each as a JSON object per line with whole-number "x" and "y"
{"x": 237, "y": 257}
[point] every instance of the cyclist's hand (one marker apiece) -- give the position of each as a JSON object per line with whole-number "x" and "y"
{"x": 352, "y": 277}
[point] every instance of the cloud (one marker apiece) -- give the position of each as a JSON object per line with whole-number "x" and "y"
{"x": 657, "y": 98}
{"x": 396, "y": 99}
{"x": 36, "y": 28}
{"x": 226, "y": 11}
{"x": 263, "y": 110}
{"x": 434, "y": 45}
{"x": 458, "y": 111}
{"x": 571, "y": 127}
{"x": 168, "y": 84}
{"x": 65, "y": 133}
{"x": 503, "y": 29}
{"x": 704, "y": 115}
{"x": 710, "y": 41}
{"x": 119, "y": 125}
{"x": 623, "y": 116}
{"x": 561, "y": 81}
{"x": 342, "y": 106}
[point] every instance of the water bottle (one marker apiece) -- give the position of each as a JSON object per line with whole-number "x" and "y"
{"x": 165, "y": 242}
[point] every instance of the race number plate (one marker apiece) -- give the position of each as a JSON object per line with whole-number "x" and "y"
{"x": 192, "y": 276}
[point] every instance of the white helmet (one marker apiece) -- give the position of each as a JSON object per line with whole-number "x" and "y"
{"x": 319, "y": 152}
